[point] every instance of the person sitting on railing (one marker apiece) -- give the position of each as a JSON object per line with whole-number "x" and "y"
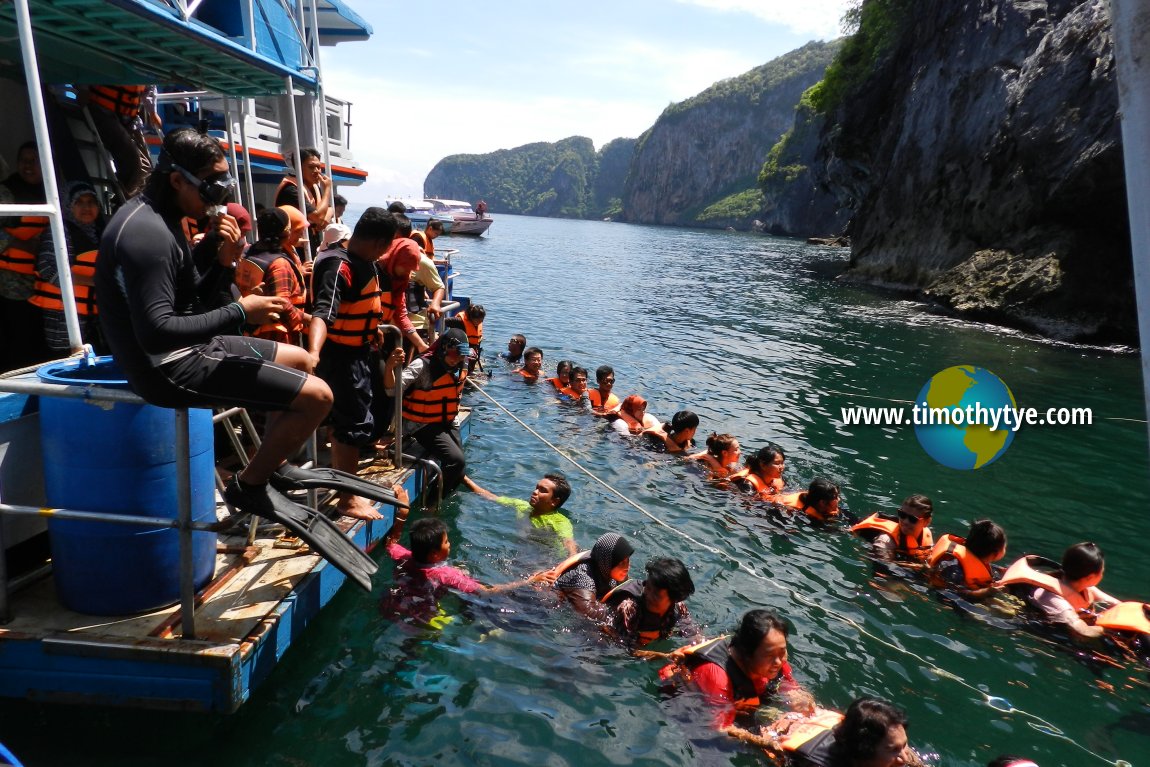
{"x": 174, "y": 351}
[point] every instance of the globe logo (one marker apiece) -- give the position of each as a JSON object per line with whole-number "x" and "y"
{"x": 967, "y": 394}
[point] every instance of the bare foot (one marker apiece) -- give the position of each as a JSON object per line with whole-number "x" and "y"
{"x": 358, "y": 508}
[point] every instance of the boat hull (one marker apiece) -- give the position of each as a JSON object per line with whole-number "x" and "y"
{"x": 471, "y": 226}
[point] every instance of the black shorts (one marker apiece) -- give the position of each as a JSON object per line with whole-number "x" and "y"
{"x": 348, "y": 373}
{"x": 234, "y": 371}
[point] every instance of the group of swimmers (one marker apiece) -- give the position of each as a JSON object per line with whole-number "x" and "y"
{"x": 739, "y": 672}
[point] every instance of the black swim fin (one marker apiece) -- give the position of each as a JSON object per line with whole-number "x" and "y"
{"x": 316, "y": 529}
{"x": 287, "y": 478}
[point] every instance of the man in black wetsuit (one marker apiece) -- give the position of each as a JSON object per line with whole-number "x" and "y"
{"x": 178, "y": 350}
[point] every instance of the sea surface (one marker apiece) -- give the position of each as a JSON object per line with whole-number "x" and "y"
{"x": 751, "y": 333}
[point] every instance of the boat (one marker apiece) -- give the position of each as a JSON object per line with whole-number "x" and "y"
{"x": 421, "y": 212}
{"x": 215, "y": 637}
{"x": 467, "y": 221}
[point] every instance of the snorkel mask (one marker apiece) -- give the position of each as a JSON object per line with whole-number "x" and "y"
{"x": 216, "y": 190}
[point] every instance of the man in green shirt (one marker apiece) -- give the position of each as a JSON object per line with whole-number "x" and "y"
{"x": 542, "y": 508}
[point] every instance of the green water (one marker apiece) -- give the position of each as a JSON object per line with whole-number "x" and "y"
{"x": 743, "y": 330}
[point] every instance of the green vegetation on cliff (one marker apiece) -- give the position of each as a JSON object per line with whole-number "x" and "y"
{"x": 879, "y": 25}
{"x": 566, "y": 179}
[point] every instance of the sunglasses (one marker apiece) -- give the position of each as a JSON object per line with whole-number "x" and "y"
{"x": 216, "y": 189}
{"x": 902, "y": 515}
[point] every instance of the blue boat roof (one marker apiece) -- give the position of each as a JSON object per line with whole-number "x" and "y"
{"x": 150, "y": 41}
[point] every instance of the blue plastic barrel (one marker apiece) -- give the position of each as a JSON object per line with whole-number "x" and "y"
{"x": 121, "y": 458}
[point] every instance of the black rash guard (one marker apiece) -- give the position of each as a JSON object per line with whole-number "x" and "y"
{"x": 150, "y": 295}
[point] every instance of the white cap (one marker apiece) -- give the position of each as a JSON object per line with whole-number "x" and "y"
{"x": 334, "y": 233}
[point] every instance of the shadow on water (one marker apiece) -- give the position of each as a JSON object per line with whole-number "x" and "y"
{"x": 749, "y": 333}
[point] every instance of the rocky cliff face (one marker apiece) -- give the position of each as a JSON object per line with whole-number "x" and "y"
{"x": 713, "y": 145}
{"x": 983, "y": 161}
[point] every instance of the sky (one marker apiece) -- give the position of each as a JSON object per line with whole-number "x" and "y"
{"x": 457, "y": 77}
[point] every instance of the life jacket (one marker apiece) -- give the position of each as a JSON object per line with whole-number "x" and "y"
{"x": 810, "y": 737}
{"x": 358, "y": 318}
{"x": 24, "y": 235}
{"x": 426, "y": 244}
{"x": 474, "y": 330}
{"x": 870, "y": 528}
{"x": 597, "y": 400}
{"x": 1125, "y": 616}
{"x": 1023, "y": 572}
{"x": 123, "y": 100}
{"x": 523, "y": 372}
{"x": 572, "y": 561}
{"x": 976, "y": 575}
{"x": 633, "y": 589}
{"x": 252, "y": 271}
{"x": 438, "y": 403}
{"x": 717, "y": 651}
{"x": 760, "y": 486}
{"x": 48, "y": 296}
{"x": 794, "y": 501}
{"x": 308, "y": 196}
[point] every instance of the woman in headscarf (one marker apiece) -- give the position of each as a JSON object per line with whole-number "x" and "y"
{"x": 83, "y": 225}
{"x": 586, "y": 578}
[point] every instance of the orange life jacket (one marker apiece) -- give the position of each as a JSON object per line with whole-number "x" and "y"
{"x": 976, "y": 575}
{"x": 24, "y": 234}
{"x": 874, "y": 524}
{"x": 252, "y": 271}
{"x": 426, "y": 244}
{"x": 48, "y": 296}
{"x": 124, "y": 100}
{"x": 437, "y": 404}
{"x": 1023, "y": 572}
{"x": 803, "y": 731}
{"x": 761, "y": 487}
{"x": 794, "y": 501}
{"x": 358, "y": 319}
{"x": 474, "y": 330}
{"x": 597, "y": 400}
{"x": 308, "y": 196}
{"x": 1125, "y": 616}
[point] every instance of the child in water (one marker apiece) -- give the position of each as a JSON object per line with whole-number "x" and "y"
{"x": 965, "y": 565}
{"x": 763, "y": 474}
{"x": 820, "y": 502}
{"x": 562, "y": 377}
{"x": 721, "y": 456}
{"x": 676, "y": 436}
{"x": 1069, "y": 596}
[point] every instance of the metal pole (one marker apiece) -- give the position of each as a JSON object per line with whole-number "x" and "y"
{"x": 1130, "y": 27}
{"x": 232, "y": 144}
{"x": 248, "y": 183}
{"x": 322, "y": 100}
{"x": 184, "y": 497}
{"x": 397, "y": 414}
{"x": 47, "y": 170}
{"x": 295, "y": 150}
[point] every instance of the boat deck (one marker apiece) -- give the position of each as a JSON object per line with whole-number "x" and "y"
{"x": 260, "y": 598}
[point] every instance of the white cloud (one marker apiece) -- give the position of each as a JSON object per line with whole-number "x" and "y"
{"x": 809, "y": 17}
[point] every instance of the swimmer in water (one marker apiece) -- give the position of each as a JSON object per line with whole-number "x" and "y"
{"x": 763, "y": 474}
{"x": 721, "y": 456}
{"x": 678, "y": 435}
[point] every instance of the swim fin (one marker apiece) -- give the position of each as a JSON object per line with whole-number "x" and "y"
{"x": 288, "y": 477}
{"x": 315, "y": 528}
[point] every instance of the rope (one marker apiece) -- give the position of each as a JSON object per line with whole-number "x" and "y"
{"x": 997, "y": 703}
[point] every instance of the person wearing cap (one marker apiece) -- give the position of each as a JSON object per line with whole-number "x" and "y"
{"x": 272, "y": 266}
{"x": 585, "y": 579}
{"x": 351, "y": 302}
{"x": 739, "y": 673}
{"x": 83, "y": 225}
{"x": 174, "y": 346}
{"x": 432, "y": 385}
{"x": 335, "y": 236}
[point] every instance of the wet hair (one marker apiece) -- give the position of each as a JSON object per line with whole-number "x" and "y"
{"x": 671, "y": 575}
{"x": 520, "y": 339}
{"x": 717, "y": 444}
{"x": 339, "y": 199}
{"x": 476, "y": 312}
{"x": 562, "y": 365}
{"x": 985, "y": 539}
{"x": 193, "y": 151}
{"x": 533, "y": 350}
{"x": 271, "y": 224}
{"x": 576, "y": 370}
{"x": 818, "y": 491}
{"x": 427, "y": 538}
{"x": 1081, "y": 560}
{"x": 397, "y": 207}
{"x": 764, "y": 457}
{"x": 863, "y": 728}
{"x": 681, "y": 421}
{"x": 753, "y": 628}
{"x": 403, "y": 226}
{"x": 923, "y": 505}
{"x": 1007, "y": 760}
{"x": 375, "y": 224}
{"x": 562, "y": 487}
{"x": 603, "y": 371}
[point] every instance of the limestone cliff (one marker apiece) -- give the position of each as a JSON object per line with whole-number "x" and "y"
{"x": 978, "y": 143}
{"x": 712, "y": 146}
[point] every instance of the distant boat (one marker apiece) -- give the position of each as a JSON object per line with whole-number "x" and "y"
{"x": 421, "y": 212}
{"x": 467, "y": 221}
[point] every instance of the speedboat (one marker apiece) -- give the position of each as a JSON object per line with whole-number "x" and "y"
{"x": 467, "y": 221}
{"x": 421, "y": 212}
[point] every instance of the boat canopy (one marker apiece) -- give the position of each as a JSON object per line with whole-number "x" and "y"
{"x": 209, "y": 46}
{"x": 338, "y": 23}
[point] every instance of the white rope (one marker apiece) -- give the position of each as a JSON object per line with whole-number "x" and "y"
{"x": 995, "y": 702}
